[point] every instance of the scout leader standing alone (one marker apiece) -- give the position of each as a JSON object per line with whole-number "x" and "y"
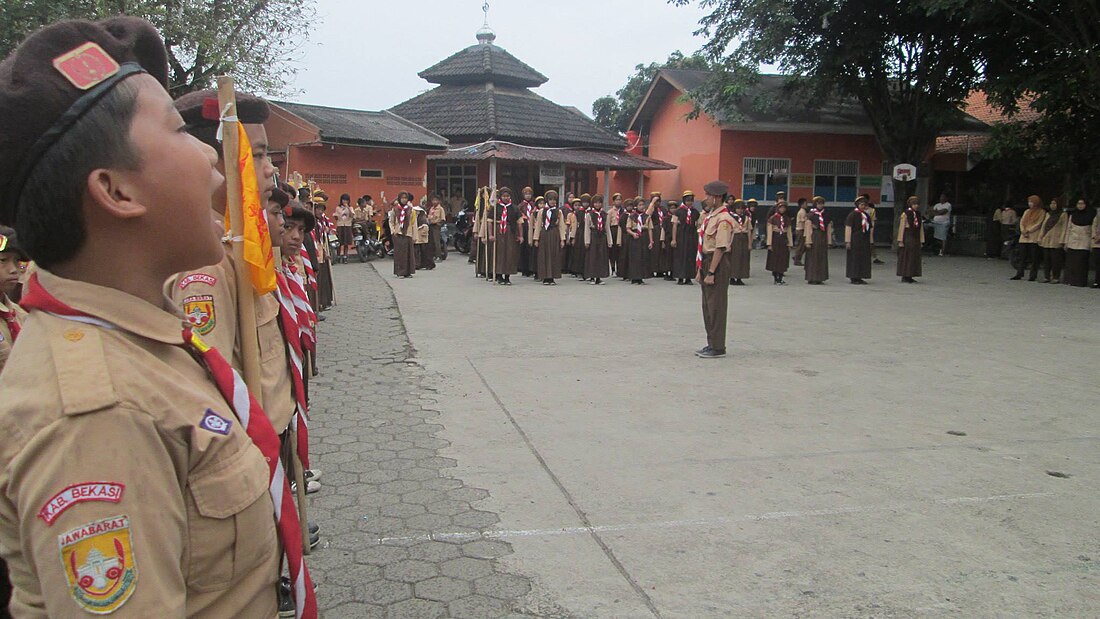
{"x": 403, "y": 226}
{"x": 816, "y": 235}
{"x": 131, "y": 480}
{"x": 910, "y": 241}
{"x": 713, "y": 263}
{"x": 859, "y": 231}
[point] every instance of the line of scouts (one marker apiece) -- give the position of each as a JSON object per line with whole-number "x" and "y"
{"x": 139, "y": 476}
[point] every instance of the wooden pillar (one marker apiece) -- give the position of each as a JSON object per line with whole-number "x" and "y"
{"x": 641, "y": 183}
{"x": 606, "y": 185}
{"x": 492, "y": 173}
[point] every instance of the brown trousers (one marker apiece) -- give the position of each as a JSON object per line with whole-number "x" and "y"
{"x": 799, "y": 246}
{"x": 716, "y": 302}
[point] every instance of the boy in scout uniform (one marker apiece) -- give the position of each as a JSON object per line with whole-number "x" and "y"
{"x": 132, "y": 483}
{"x": 715, "y": 268}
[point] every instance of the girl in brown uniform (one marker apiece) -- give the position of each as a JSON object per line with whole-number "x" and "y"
{"x": 817, "y": 232}
{"x": 910, "y": 241}
{"x": 505, "y": 236}
{"x": 549, "y": 238}
{"x": 1031, "y": 225}
{"x": 742, "y": 244}
{"x": 685, "y": 222}
{"x": 637, "y": 243}
{"x": 858, "y": 232}
{"x": 779, "y": 239}
{"x": 597, "y": 243}
{"x": 403, "y": 227}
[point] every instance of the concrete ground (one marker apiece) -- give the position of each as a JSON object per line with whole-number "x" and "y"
{"x": 887, "y": 450}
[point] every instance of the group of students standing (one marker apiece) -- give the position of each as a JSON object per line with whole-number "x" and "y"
{"x": 1060, "y": 240}
{"x": 637, "y": 240}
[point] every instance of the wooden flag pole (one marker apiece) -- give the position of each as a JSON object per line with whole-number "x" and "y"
{"x": 246, "y": 296}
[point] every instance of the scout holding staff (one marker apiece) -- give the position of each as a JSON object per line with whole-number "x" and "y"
{"x": 816, "y": 234}
{"x": 741, "y": 249}
{"x": 179, "y": 520}
{"x": 858, "y": 232}
{"x": 548, "y": 238}
{"x": 779, "y": 238}
{"x": 713, "y": 264}
{"x": 910, "y": 241}
{"x": 685, "y": 221}
{"x": 597, "y": 243}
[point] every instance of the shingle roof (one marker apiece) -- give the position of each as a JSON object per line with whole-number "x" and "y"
{"x": 978, "y": 106}
{"x": 384, "y": 128}
{"x": 769, "y": 105}
{"x": 572, "y": 156}
{"x": 477, "y": 113}
{"x": 482, "y": 63}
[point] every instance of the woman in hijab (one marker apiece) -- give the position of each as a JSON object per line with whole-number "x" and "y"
{"x": 1031, "y": 227}
{"x": 1080, "y": 232}
{"x": 1052, "y": 240}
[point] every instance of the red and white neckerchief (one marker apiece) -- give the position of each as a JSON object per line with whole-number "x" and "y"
{"x": 251, "y": 417}
{"x": 641, "y": 225}
{"x": 307, "y": 318}
{"x": 291, "y": 328}
{"x": 504, "y": 217}
{"x": 528, "y": 208}
{"x": 310, "y": 274}
{"x": 820, "y": 217}
{"x": 547, "y": 215}
{"x": 913, "y": 218}
{"x": 739, "y": 218}
{"x": 13, "y": 323}
{"x": 402, "y": 215}
{"x": 660, "y": 216}
{"x": 865, "y": 219}
{"x": 599, "y": 221}
{"x": 687, "y": 215}
{"x": 781, "y": 221}
{"x": 703, "y": 231}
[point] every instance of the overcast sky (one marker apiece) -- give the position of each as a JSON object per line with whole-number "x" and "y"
{"x": 365, "y": 54}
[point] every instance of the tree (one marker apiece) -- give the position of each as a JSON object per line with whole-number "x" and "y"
{"x": 909, "y": 64}
{"x": 1046, "y": 55}
{"x": 256, "y": 40}
{"x": 614, "y": 113}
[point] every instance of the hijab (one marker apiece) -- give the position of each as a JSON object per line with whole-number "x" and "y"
{"x": 1083, "y": 217}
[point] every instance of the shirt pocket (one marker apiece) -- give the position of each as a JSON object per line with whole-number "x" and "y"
{"x": 231, "y": 526}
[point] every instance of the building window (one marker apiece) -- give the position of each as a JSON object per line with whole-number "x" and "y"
{"x": 371, "y": 174}
{"x": 836, "y": 181}
{"x": 765, "y": 177}
{"x": 456, "y": 180}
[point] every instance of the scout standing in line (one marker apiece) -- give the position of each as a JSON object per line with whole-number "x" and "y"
{"x": 628, "y": 210}
{"x": 326, "y": 292}
{"x": 136, "y": 480}
{"x": 858, "y": 232}
{"x": 597, "y": 243}
{"x": 614, "y": 216}
{"x": 549, "y": 238}
{"x": 685, "y": 239}
{"x": 576, "y": 235}
{"x": 637, "y": 240}
{"x": 527, "y": 253}
{"x": 816, "y": 233}
{"x": 713, "y": 262}
{"x": 800, "y": 231}
{"x": 873, "y": 212}
{"x": 11, "y": 315}
{"x": 779, "y": 239}
{"x": 741, "y": 250}
{"x": 504, "y": 234}
{"x": 422, "y": 238}
{"x": 437, "y": 216}
{"x": 662, "y": 230}
{"x": 403, "y": 227}
{"x": 910, "y": 241}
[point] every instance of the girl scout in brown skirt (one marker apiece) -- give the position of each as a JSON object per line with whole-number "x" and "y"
{"x": 779, "y": 238}
{"x": 910, "y": 241}
{"x": 505, "y": 236}
{"x": 858, "y": 232}
{"x": 597, "y": 242}
{"x": 685, "y": 222}
{"x": 614, "y": 214}
{"x": 403, "y": 226}
{"x": 637, "y": 242}
{"x": 740, "y": 251}
{"x": 817, "y": 232}
{"x": 549, "y": 238}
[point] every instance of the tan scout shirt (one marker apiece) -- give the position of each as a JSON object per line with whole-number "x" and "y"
{"x": 1055, "y": 237}
{"x": 540, "y": 225}
{"x": 6, "y": 339}
{"x": 343, "y": 216}
{"x": 208, "y": 298}
{"x": 718, "y": 233}
{"x": 118, "y": 491}
{"x": 421, "y": 227}
{"x": 436, "y": 215}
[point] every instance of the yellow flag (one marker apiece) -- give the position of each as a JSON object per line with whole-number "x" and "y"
{"x": 257, "y": 238}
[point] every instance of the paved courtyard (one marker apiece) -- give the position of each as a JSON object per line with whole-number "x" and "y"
{"x": 877, "y": 451}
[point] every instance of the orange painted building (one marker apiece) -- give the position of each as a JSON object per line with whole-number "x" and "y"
{"x": 352, "y": 151}
{"x": 786, "y": 146}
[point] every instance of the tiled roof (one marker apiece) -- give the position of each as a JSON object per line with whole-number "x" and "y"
{"x": 515, "y": 152}
{"x": 346, "y": 126}
{"x": 483, "y": 63}
{"x": 477, "y": 113}
{"x": 978, "y": 106}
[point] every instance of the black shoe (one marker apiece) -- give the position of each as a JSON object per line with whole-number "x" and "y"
{"x": 781, "y": 283}
{"x": 1017, "y": 276}
{"x": 314, "y": 529}
{"x": 1031, "y": 279}
{"x": 877, "y": 261}
{"x": 711, "y": 354}
{"x": 286, "y": 601}
{"x": 314, "y": 539}
{"x": 703, "y": 350}
{"x": 321, "y": 318}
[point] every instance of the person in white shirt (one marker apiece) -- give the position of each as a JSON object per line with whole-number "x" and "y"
{"x": 941, "y": 220}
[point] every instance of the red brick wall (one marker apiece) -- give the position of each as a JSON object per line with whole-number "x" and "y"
{"x": 336, "y": 168}
{"x": 693, "y": 146}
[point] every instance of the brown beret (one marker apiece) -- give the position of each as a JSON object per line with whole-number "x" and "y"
{"x": 295, "y": 212}
{"x": 200, "y": 109}
{"x": 54, "y": 77}
{"x": 716, "y": 188}
{"x": 280, "y": 197}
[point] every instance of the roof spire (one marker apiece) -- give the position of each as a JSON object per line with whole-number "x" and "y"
{"x": 486, "y": 36}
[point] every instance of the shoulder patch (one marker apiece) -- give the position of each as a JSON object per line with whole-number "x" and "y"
{"x": 199, "y": 310}
{"x": 98, "y": 559}
{"x": 215, "y": 423}
{"x": 106, "y": 491}
{"x": 201, "y": 278}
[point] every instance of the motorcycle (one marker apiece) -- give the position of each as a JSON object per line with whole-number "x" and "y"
{"x": 368, "y": 242}
{"x": 462, "y": 229}
{"x": 446, "y": 233}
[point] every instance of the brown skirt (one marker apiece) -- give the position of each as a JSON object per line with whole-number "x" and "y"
{"x": 506, "y": 259}
{"x": 817, "y": 257}
{"x": 404, "y": 255}
{"x": 596, "y": 262}
{"x": 345, "y": 234}
{"x": 909, "y": 254}
{"x": 779, "y": 256}
{"x": 548, "y": 260}
{"x": 739, "y": 256}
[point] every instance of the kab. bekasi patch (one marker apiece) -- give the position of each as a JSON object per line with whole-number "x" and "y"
{"x": 200, "y": 278}
{"x": 98, "y": 559}
{"x": 106, "y": 491}
{"x": 215, "y": 423}
{"x": 199, "y": 310}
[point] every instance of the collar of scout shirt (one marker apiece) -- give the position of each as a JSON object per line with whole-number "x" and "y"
{"x": 122, "y": 310}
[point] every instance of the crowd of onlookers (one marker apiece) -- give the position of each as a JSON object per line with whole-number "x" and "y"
{"x": 1061, "y": 241}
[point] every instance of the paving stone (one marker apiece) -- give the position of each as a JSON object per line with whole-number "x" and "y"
{"x": 411, "y": 571}
{"x": 417, "y": 609}
{"x": 435, "y": 552}
{"x": 442, "y": 589}
{"x": 486, "y": 549}
{"x": 466, "y": 568}
{"x": 381, "y": 555}
{"x": 356, "y": 610}
{"x": 386, "y": 592}
{"x": 502, "y": 586}
{"x": 477, "y": 607}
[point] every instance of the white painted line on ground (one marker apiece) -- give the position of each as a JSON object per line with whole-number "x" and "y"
{"x": 704, "y": 522}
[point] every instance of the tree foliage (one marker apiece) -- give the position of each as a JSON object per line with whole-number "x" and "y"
{"x": 255, "y": 40}
{"x": 614, "y": 112}
{"x": 909, "y": 64}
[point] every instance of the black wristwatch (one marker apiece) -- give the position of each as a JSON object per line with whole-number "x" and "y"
{"x": 710, "y": 273}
